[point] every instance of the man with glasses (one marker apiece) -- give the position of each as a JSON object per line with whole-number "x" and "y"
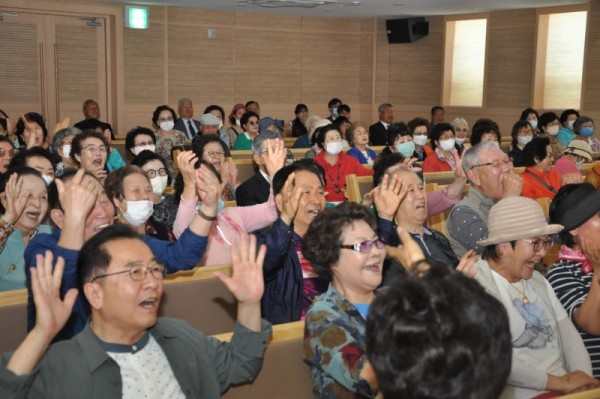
{"x": 125, "y": 350}
{"x": 490, "y": 172}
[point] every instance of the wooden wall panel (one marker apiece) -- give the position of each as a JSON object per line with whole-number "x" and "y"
{"x": 382, "y": 65}
{"x": 20, "y": 65}
{"x": 510, "y": 58}
{"x": 591, "y": 70}
{"x": 366, "y": 62}
{"x": 416, "y": 68}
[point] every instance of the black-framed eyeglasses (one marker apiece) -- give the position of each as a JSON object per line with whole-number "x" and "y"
{"x": 10, "y": 152}
{"x": 496, "y": 163}
{"x": 538, "y": 245}
{"x": 153, "y": 172}
{"x": 364, "y": 247}
{"x": 139, "y": 272}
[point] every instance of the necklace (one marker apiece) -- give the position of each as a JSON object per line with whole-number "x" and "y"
{"x": 335, "y": 182}
{"x": 524, "y": 297}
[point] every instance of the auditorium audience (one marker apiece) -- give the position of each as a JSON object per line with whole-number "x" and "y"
{"x": 575, "y": 155}
{"x": 167, "y": 138}
{"x": 575, "y": 275}
{"x": 298, "y": 127}
{"x": 249, "y": 123}
{"x": 547, "y": 352}
{"x": 419, "y": 130}
{"x": 567, "y": 131}
{"x": 336, "y": 164}
{"x": 584, "y": 130}
{"x": 522, "y": 133}
{"x": 89, "y": 150}
{"x": 539, "y": 179}
{"x": 548, "y": 126}
{"x": 61, "y": 143}
{"x": 490, "y": 173}
{"x": 235, "y": 127}
{"x": 444, "y": 157}
{"x": 358, "y": 138}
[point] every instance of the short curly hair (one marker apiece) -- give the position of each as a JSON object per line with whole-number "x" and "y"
{"x": 320, "y": 244}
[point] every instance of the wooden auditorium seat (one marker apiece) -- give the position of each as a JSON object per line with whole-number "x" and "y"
{"x": 13, "y": 319}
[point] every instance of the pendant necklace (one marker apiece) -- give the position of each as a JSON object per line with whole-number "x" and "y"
{"x": 524, "y": 297}
{"x": 336, "y": 184}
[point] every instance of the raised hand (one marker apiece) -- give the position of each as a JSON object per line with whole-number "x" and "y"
{"x": 61, "y": 125}
{"x": 459, "y": 172}
{"x": 467, "y": 263}
{"x": 30, "y": 132}
{"x": 233, "y": 175}
{"x": 408, "y": 163}
{"x": 290, "y": 200}
{"x": 226, "y": 167}
{"x": 107, "y": 136}
{"x": 79, "y": 197}
{"x": 12, "y": 200}
{"x": 388, "y": 196}
{"x": 274, "y": 156}
{"x": 408, "y": 252}
{"x": 208, "y": 188}
{"x": 185, "y": 163}
{"x": 100, "y": 173}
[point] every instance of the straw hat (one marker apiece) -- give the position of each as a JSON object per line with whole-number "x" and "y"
{"x": 579, "y": 147}
{"x": 515, "y": 218}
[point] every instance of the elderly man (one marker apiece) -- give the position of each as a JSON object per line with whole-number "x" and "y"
{"x": 547, "y": 351}
{"x": 211, "y": 124}
{"x": 81, "y": 209}
{"x": 492, "y": 178}
{"x": 256, "y": 189}
{"x": 125, "y": 350}
{"x": 378, "y": 130}
{"x": 185, "y": 123}
{"x": 91, "y": 110}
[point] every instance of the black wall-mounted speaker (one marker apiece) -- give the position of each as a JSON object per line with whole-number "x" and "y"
{"x": 406, "y": 30}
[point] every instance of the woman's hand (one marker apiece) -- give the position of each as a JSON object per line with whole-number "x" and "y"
{"x": 274, "y": 156}
{"x": 14, "y": 203}
{"x": 570, "y": 382}
{"x": 226, "y": 167}
{"x": 185, "y": 163}
{"x": 30, "y": 132}
{"x": 388, "y": 196}
{"x": 467, "y": 264}
{"x": 233, "y": 175}
{"x": 208, "y": 189}
{"x": 60, "y": 125}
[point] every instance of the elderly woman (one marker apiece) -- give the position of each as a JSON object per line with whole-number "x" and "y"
{"x": 299, "y": 128}
{"x": 89, "y": 151}
{"x": 24, "y": 206}
{"x": 548, "y": 125}
{"x": 230, "y": 222}
{"x": 310, "y": 125}
{"x": 249, "y": 123}
{"x": 548, "y": 354}
{"x": 7, "y": 153}
{"x": 522, "y": 133}
{"x": 165, "y": 205}
{"x": 336, "y": 164}
{"x": 314, "y": 147}
{"x": 358, "y": 139}
{"x": 342, "y": 248}
{"x": 485, "y": 129}
{"x": 539, "y": 180}
{"x": 461, "y": 132}
{"x": 419, "y": 130}
{"x": 163, "y": 120}
{"x": 235, "y": 127}
{"x": 36, "y": 158}
{"x": 576, "y": 153}
{"x": 61, "y": 143}
{"x": 212, "y": 149}
{"x": 445, "y": 156}
{"x": 584, "y": 129}
{"x": 31, "y": 130}
{"x": 140, "y": 139}
{"x": 574, "y": 276}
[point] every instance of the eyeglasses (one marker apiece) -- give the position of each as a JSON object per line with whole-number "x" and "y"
{"x": 3, "y": 152}
{"x": 95, "y": 148}
{"x": 252, "y": 123}
{"x": 496, "y": 163}
{"x": 139, "y": 272}
{"x": 215, "y": 154}
{"x": 538, "y": 245}
{"x": 365, "y": 247}
{"x": 153, "y": 172}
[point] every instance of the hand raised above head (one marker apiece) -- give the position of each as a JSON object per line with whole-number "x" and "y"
{"x": 78, "y": 196}
{"x": 274, "y": 156}
{"x": 388, "y": 196}
{"x": 185, "y": 163}
{"x": 14, "y": 203}
{"x": 62, "y": 125}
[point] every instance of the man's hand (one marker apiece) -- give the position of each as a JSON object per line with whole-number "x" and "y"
{"x": 408, "y": 252}
{"x": 274, "y": 156}
{"x": 512, "y": 185}
{"x": 14, "y": 203}
{"x": 290, "y": 200}
{"x": 388, "y": 196}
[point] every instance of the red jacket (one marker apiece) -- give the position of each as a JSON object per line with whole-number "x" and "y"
{"x": 335, "y": 175}
{"x": 534, "y": 189}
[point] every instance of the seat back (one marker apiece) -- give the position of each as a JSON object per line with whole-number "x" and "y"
{"x": 13, "y": 319}
{"x": 357, "y": 186}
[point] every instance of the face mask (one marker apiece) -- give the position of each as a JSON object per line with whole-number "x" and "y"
{"x": 552, "y": 130}
{"x": 459, "y": 140}
{"x": 333, "y": 148}
{"x": 420, "y": 140}
{"x": 587, "y": 131}
{"x": 523, "y": 140}
{"x": 149, "y": 147}
{"x": 159, "y": 183}
{"x": 447, "y": 145}
{"x": 334, "y": 111}
{"x": 237, "y": 122}
{"x": 66, "y": 150}
{"x": 220, "y": 125}
{"x": 533, "y": 124}
{"x": 48, "y": 179}
{"x": 167, "y": 126}
{"x": 406, "y": 149}
{"x": 570, "y": 124}
{"x": 579, "y": 164}
{"x": 495, "y": 143}
{"x": 138, "y": 212}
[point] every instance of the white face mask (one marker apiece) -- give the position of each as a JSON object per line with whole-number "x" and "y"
{"x": 333, "y": 148}
{"x": 48, "y": 179}
{"x": 523, "y": 140}
{"x": 66, "y": 150}
{"x": 459, "y": 140}
{"x": 159, "y": 184}
{"x": 334, "y": 111}
{"x": 237, "y": 122}
{"x": 138, "y": 212}
{"x": 167, "y": 126}
{"x": 447, "y": 145}
{"x": 220, "y": 125}
{"x": 552, "y": 130}
{"x": 495, "y": 143}
{"x": 570, "y": 124}
{"x": 420, "y": 139}
{"x": 533, "y": 124}
{"x": 579, "y": 164}
{"x": 149, "y": 147}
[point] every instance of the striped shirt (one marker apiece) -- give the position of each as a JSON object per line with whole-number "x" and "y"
{"x": 572, "y": 286}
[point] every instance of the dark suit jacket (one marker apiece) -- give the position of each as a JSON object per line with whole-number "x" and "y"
{"x": 377, "y": 134}
{"x": 253, "y": 191}
{"x": 182, "y": 127}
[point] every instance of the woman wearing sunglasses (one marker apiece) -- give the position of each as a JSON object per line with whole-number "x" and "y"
{"x": 343, "y": 248}
{"x": 249, "y": 122}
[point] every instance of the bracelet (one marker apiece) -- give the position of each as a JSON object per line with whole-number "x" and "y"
{"x": 206, "y": 217}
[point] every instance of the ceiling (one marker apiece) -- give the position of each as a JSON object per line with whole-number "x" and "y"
{"x": 366, "y": 9}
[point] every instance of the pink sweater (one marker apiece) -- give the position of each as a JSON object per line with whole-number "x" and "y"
{"x": 230, "y": 223}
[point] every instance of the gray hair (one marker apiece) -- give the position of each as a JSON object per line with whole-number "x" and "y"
{"x": 259, "y": 141}
{"x": 384, "y": 106}
{"x": 88, "y": 102}
{"x": 181, "y": 101}
{"x": 471, "y": 156}
{"x": 580, "y": 121}
{"x": 459, "y": 120}
{"x": 309, "y": 121}
{"x": 62, "y": 134}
